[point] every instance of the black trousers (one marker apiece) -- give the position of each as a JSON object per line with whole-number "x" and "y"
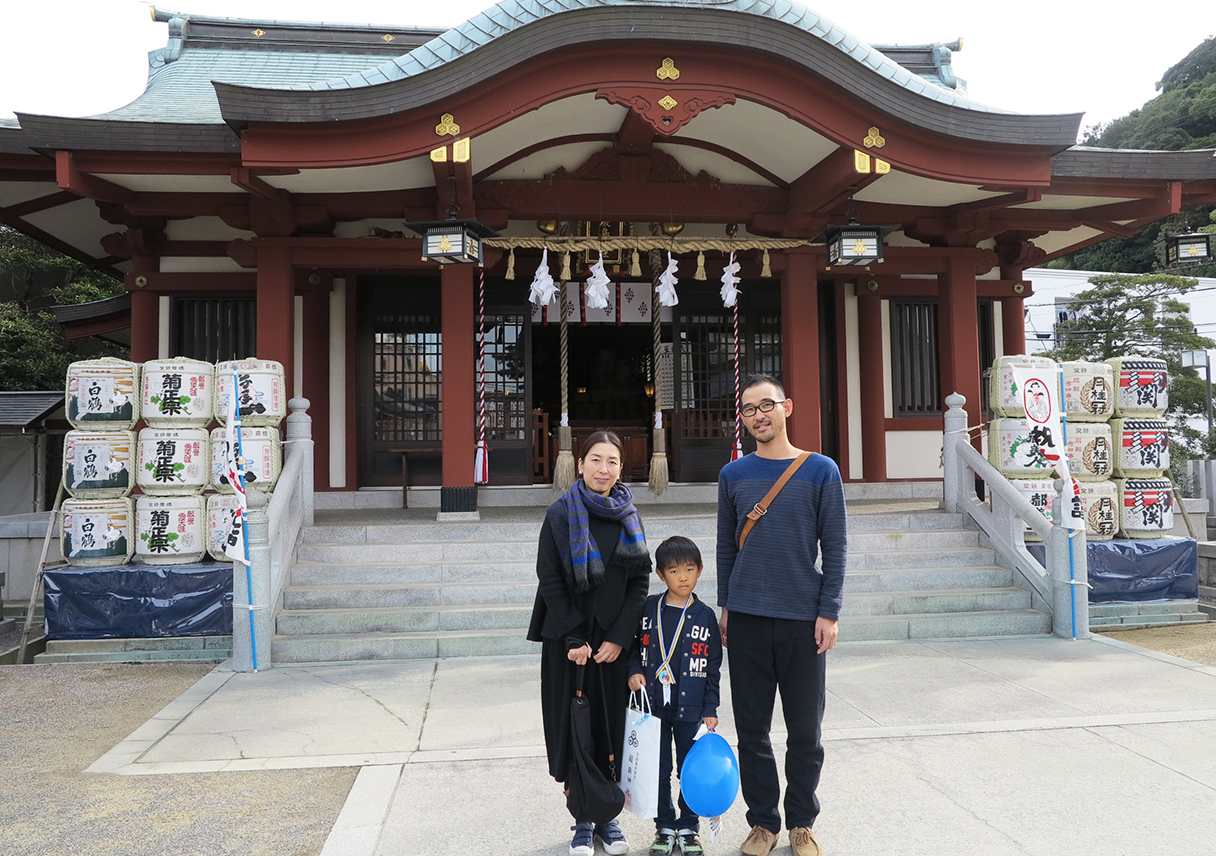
{"x": 766, "y": 655}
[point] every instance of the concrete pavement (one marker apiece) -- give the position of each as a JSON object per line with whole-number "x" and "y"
{"x": 1029, "y": 745}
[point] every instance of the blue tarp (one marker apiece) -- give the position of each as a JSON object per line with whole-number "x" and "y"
{"x": 1139, "y": 569}
{"x": 139, "y": 601}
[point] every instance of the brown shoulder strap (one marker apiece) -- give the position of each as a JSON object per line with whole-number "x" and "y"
{"x": 761, "y": 507}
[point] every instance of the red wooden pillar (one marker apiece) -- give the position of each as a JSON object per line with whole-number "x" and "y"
{"x": 873, "y": 393}
{"x": 276, "y": 309}
{"x": 459, "y": 350}
{"x": 800, "y": 346}
{"x": 959, "y": 340}
{"x": 145, "y": 311}
{"x": 316, "y": 376}
{"x": 1013, "y": 325}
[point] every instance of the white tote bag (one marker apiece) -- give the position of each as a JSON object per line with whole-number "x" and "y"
{"x": 640, "y": 773}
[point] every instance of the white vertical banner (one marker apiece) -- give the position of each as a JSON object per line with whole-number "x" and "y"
{"x": 1039, "y": 389}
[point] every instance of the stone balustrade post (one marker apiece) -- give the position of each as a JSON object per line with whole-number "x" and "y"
{"x": 954, "y": 475}
{"x": 300, "y": 442}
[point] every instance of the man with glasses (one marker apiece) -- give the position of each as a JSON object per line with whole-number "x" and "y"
{"x": 782, "y": 613}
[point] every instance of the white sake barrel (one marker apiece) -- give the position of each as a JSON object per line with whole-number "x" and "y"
{"x": 174, "y": 461}
{"x": 1091, "y": 453}
{"x": 178, "y": 393}
{"x": 1142, "y": 447}
{"x": 262, "y": 389}
{"x": 169, "y": 529}
{"x": 1089, "y": 391}
{"x": 1142, "y": 387}
{"x": 98, "y": 464}
{"x": 263, "y": 458}
{"x": 97, "y": 532}
{"x": 1041, "y": 493}
{"x": 1004, "y": 397}
{"x": 103, "y": 394}
{"x": 1012, "y": 451}
{"x": 221, "y": 510}
{"x": 1099, "y": 502}
{"x": 1146, "y": 507}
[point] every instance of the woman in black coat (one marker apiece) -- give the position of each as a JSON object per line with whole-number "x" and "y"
{"x": 593, "y": 569}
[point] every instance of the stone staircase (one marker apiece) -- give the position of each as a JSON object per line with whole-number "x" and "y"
{"x": 389, "y": 585}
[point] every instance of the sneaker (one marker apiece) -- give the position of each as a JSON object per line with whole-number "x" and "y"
{"x": 758, "y": 842}
{"x": 690, "y": 844}
{"x": 584, "y": 842}
{"x": 803, "y": 843}
{"x": 612, "y": 838}
{"x": 664, "y": 843}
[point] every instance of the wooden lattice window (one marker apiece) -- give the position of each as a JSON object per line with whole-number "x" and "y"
{"x": 407, "y": 378}
{"x": 214, "y": 327}
{"x": 506, "y": 384}
{"x": 915, "y": 378}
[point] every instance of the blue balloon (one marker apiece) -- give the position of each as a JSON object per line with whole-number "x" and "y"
{"x": 709, "y": 779}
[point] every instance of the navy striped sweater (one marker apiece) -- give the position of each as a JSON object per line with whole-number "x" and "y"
{"x": 775, "y": 574}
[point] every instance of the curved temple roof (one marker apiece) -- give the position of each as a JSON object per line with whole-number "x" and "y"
{"x": 512, "y": 15}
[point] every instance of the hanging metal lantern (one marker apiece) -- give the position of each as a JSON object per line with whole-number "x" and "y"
{"x": 448, "y": 241}
{"x": 854, "y": 244}
{"x": 1189, "y": 249}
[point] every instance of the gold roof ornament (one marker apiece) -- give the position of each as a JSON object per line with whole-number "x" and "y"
{"x": 668, "y": 70}
{"x": 259, "y": 32}
{"x": 388, "y": 37}
{"x": 874, "y": 140}
{"x": 447, "y": 126}
{"x": 667, "y": 102}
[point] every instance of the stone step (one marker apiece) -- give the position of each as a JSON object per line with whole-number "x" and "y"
{"x": 935, "y": 601}
{"x": 198, "y": 649}
{"x": 927, "y": 579}
{"x": 694, "y": 526}
{"x": 1169, "y": 607}
{"x": 364, "y": 647}
{"x": 872, "y": 628}
{"x": 291, "y": 622}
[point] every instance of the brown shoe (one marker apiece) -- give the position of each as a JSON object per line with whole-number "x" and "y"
{"x": 758, "y": 842}
{"x": 803, "y": 843}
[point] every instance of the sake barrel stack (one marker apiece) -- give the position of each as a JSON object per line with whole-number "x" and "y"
{"x": 170, "y": 529}
{"x": 1091, "y": 454}
{"x": 98, "y": 464}
{"x": 178, "y": 393}
{"x": 1089, "y": 391}
{"x": 1041, "y": 493}
{"x": 261, "y": 392}
{"x": 97, "y": 532}
{"x": 1012, "y": 450}
{"x": 1099, "y": 502}
{"x": 174, "y": 461}
{"x": 103, "y": 395}
{"x": 221, "y": 511}
{"x": 1142, "y": 388}
{"x": 1142, "y": 447}
{"x": 1146, "y": 507}
{"x": 1004, "y": 397}
{"x": 262, "y": 454}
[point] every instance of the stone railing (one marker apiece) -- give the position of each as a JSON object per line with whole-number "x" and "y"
{"x": 1060, "y": 588}
{"x": 274, "y": 531}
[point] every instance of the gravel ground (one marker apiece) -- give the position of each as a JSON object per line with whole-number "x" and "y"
{"x": 1195, "y": 642}
{"x": 57, "y": 719}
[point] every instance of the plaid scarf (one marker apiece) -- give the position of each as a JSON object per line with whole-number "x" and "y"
{"x": 580, "y": 503}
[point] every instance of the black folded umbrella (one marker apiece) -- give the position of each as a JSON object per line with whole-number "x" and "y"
{"x": 590, "y": 795}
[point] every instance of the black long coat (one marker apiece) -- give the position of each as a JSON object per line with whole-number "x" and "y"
{"x": 609, "y": 612}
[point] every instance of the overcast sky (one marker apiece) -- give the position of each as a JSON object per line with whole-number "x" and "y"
{"x": 82, "y": 57}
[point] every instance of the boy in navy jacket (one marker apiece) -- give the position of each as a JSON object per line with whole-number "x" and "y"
{"x": 677, "y": 659}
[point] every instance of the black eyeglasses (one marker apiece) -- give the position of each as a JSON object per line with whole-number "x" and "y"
{"x": 764, "y": 406}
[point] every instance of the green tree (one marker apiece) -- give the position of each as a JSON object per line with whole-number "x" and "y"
{"x": 1123, "y": 315}
{"x": 33, "y": 351}
{"x": 1183, "y": 116}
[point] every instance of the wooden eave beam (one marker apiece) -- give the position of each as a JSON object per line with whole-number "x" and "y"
{"x": 187, "y": 281}
{"x": 635, "y": 136}
{"x": 33, "y": 206}
{"x": 161, "y": 163}
{"x": 245, "y": 178}
{"x": 1114, "y": 230}
{"x": 70, "y": 177}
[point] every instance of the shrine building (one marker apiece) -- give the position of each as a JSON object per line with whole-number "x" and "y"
{"x": 255, "y": 201}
